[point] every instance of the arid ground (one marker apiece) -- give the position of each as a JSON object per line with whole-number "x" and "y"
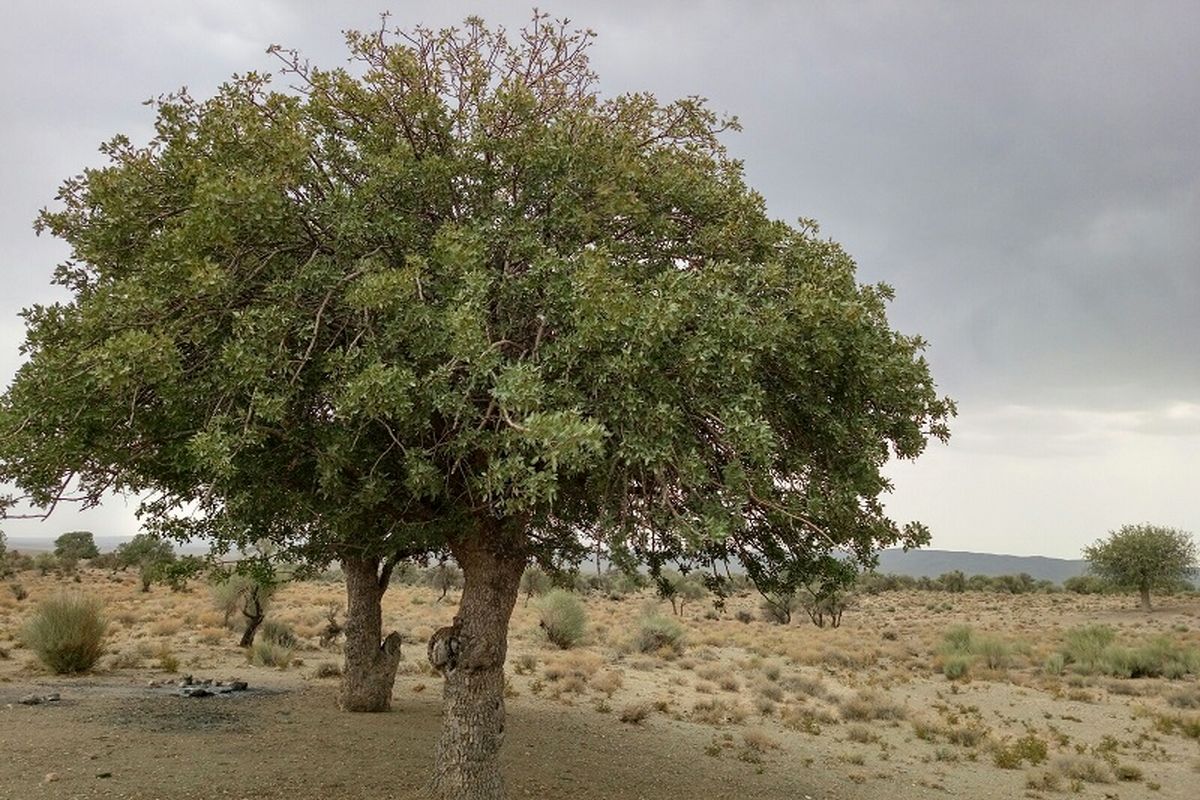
{"x": 750, "y": 709}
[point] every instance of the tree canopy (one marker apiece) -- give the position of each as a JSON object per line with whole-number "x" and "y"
{"x": 452, "y": 298}
{"x": 1144, "y": 557}
{"x": 76, "y": 546}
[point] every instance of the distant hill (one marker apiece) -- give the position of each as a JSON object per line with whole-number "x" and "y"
{"x": 931, "y": 563}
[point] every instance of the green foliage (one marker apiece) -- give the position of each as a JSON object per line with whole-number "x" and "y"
{"x": 45, "y": 563}
{"x": 1093, "y": 649}
{"x": 151, "y": 555}
{"x": 1087, "y": 584}
{"x": 1144, "y": 558}
{"x": 562, "y": 617}
{"x": 76, "y": 546}
{"x": 778, "y": 607}
{"x": 659, "y": 634}
{"x": 1084, "y": 647}
{"x": 534, "y": 581}
{"x": 67, "y": 632}
{"x": 963, "y": 647}
{"x": 525, "y": 301}
{"x": 1027, "y": 749}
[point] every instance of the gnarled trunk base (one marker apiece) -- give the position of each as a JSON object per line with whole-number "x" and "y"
{"x": 470, "y": 654}
{"x": 370, "y": 670}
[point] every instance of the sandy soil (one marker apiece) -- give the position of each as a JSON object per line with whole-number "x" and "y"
{"x": 751, "y": 710}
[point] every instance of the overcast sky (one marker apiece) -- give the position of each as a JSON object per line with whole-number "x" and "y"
{"x": 1027, "y": 175}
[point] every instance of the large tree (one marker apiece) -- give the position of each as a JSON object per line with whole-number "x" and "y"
{"x": 1144, "y": 557}
{"x": 76, "y": 546}
{"x": 454, "y": 301}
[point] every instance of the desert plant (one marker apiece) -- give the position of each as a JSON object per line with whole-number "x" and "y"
{"x": 656, "y": 634}
{"x": 278, "y": 632}
{"x": 18, "y": 591}
{"x": 267, "y": 653}
{"x": 67, "y": 632}
{"x": 562, "y": 618}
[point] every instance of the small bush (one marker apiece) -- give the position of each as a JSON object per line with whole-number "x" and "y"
{"x": 1084, "y": 768}
{"x": 279, "y": 633}
{"x": 657, "y": 633}
{"x": 1084, "y": 647}
{"x": 563, "y": 618}
{"x": 1029, "y": 748}
{"x": 635, "y": 713}
{"x": 67, "y": 632}
{"x": 267, "y": 653}
{"x": 869, "y": 705}
{"x": 18, "y": 591}
{"x": 955, "y": 667}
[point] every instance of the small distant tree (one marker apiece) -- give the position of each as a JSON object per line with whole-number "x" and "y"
{"x": 76, "y": 546}
{"x": 534, "y": 581}
{"x": 443, "y": 577}
{"x": 151, "y": 555}
{"x": 1144, "y": 557}
{"x": 248, "y": 595}
{"x": 45, "y": 563}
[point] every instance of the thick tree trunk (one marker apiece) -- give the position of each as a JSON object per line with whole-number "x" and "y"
{"x": 1145, "y": 593}
{"x": 470, "y": 654}
{"x": 371, "y": 661}
{"x": 252, "y": 623}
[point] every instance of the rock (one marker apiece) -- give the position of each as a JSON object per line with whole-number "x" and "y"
{"x": 51, "y": 777}
{"x": 53, "y": 697}
{"x": 186, "y": 680}
{"x": 238, "y": 686}
{"x": 30, "y": 700}
{"x": 196, "y": 691}
{"x": 152, "y": 685}
{"x": 103, "y": 774}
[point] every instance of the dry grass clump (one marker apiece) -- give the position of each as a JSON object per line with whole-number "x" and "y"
{"x": 607, "y": 682}
{"x": 871, "y": 705}
{"x": 715, "y": 711}
{"x": 328, "y": 669}
{"x": 1087, "y": 769}
{"x": 804, "y": 685}
{"x": 635, "y": 713}
{"x": 67, "y": 632}
{"x": 759, "y": 740}
{"x": 808, "y": 720}
{"x": 165, "y": 627}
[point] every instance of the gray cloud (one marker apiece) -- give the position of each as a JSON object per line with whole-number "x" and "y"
{"x": 1026, "y": 175}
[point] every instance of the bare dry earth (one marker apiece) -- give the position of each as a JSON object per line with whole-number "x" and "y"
{"x": 751, "y": 710}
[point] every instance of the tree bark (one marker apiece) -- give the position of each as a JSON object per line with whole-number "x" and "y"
{"x": 1145, "y": 594}
{"x": 470, "y": 655}
{"x": 371, "y": 661}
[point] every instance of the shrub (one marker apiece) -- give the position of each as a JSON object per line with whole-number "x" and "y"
{"x": 563, "y": 618}
{"x": 270, "y": 654}
{"x": 1084, "y": 647}
{"x": 67, "y": 632}
{"x": 534, "y": 582}
{"x": 657, "y": 633}
{"x": 1029, "y": 748}
{"x": 279, "y": 633}
{"x": 18, "y": 591}
{"x": 866, "y": 706}
{"x": 956, "y": 666}
{"x": 635, "y": 713}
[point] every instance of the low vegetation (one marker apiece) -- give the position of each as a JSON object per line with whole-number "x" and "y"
{"x": 67, "y": 632}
